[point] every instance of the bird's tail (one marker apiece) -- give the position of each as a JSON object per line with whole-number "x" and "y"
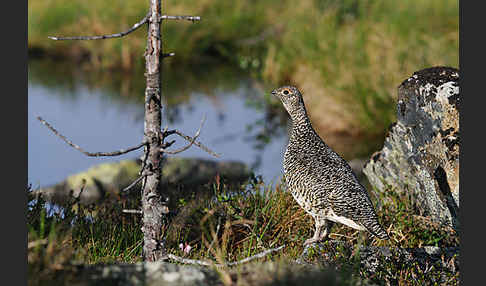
{"x": 383, "y": 234}
{"x": 377, "y": 230}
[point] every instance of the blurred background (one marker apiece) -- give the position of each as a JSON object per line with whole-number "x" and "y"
{"x": 346, "y": 56}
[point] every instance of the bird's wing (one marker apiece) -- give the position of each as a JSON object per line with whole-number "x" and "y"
{"x": 351, "y": 204}
{"x": 355, "y": 205}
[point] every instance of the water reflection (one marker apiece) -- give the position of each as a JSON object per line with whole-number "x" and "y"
{"x": 103, "y": 111}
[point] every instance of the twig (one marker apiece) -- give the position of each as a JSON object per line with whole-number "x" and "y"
{"x": 198, "y": 144}
{"x": 206, "y": 263}
{"x": 133, "y": 183}
{"x": 191, "y": 141}
{"x": 144, "y": 174}
{"x": 217, "y": 231}
{"x": 132, "y": 211}
{"x": 167, "y": 133}
{"x": 77, "y": 199}
{"x": 117, "y": 35}
{"x": 96, "y": 154}
{"x": 259, "y": 255}
{"x": 188, "y": 18}
{"x": 188, "y": 261}
{"x": 37, "y": 242}
{"x": 168, "y": 55}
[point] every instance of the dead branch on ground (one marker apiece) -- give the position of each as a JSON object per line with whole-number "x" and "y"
{"x": 209, "y": 263}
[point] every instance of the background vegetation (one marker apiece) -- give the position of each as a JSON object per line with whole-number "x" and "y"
{"x": 347, "y": 56}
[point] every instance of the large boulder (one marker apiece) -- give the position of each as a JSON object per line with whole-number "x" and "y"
{"x": 421, "y": 150}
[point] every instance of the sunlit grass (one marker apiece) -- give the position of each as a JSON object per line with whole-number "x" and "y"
{"x": 227, "y": 224}
{"x": 348, "y": 57}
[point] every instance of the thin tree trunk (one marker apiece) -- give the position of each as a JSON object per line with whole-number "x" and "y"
{"x": 152, "y": 200}
{"x": 154, "y": 204}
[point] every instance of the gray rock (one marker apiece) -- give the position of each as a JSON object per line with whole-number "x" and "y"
{"x": 144, "y": 273}
{"x": 438, "y": 263}
{"x": 319, "y": 264}
{"x": 357, "y": 165}
{"x": 168, "y": 274}
{"x": 421, "y": 150}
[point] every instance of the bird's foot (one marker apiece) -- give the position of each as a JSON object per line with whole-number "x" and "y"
{"x": 311, "y": 241}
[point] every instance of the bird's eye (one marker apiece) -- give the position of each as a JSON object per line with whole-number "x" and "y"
{"x": 285, "y": 92}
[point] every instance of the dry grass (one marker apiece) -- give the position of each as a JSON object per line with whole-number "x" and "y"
{"x": 348, "y": 56}
{"x": 233, "y": 223}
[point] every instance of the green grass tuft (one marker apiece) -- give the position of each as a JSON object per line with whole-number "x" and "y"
{"x": 228, "y": 224}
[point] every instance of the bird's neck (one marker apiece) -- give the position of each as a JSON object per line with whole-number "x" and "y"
{"x": 300, "y": 123}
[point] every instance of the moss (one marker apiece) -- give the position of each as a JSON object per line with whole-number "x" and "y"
{"x": 119, "y": 173}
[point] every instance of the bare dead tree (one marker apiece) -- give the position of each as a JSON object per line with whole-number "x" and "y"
{"x": 154, "y": 204}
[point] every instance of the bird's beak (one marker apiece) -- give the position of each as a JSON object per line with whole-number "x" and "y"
{"x": 274, "y": 92}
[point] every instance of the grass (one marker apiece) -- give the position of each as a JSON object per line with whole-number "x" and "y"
{"x": 130, "y": 86}
{"x": 347, "y": 56}
{"x": 227, "y": 224}
{"x": 95, "y": 237}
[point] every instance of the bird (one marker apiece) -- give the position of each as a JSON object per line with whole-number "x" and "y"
{"x": 320, "y": 180}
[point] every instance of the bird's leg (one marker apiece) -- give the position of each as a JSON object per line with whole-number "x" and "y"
{"x": 327, "y": 229}
{"x": 315, "y": 238}
{"x": 317, "y": 232}
{"x": 323, "y": 227}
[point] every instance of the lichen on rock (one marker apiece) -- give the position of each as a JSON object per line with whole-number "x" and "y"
{"x": 111, "y": 178}
{"x": 421, "y": 150}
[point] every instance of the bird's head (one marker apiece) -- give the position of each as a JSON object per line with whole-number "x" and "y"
{"x": 291, "y": 99}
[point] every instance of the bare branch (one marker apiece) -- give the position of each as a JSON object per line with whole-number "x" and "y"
{"x": 189, "y": 261}
{"x": 168, "y": 144}
{"x": 217, "y": 231}
{"x": 198, "y": 144}
{"x": 188, "y": 18}
{"x": 90, "y": 154}
{"x": 166, "y": 133}
{"x": 77, "y": 198}
{"x": 259, "y": 255}
{"x": 168, "y": 55}
{"x": 191, "y": 141}
{"x": 207, "y": 263}
{"x": 102, "y": 37}
{"x": 144, "y": 174}
{"x": 133, "y": 184}
{"x": 132, "y": 211}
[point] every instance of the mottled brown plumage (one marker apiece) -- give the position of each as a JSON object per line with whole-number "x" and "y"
{"x": 322, "y": 182}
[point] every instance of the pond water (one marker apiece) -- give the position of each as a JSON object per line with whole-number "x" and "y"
{"x": 103, "y": 111}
